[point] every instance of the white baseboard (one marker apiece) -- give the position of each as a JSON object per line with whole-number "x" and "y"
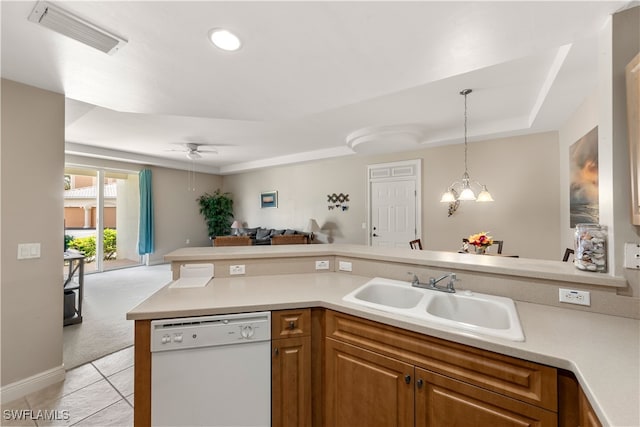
{"x": 21, "y": 388}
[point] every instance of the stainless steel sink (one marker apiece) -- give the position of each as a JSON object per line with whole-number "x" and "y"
{"x": 464, "y": 310}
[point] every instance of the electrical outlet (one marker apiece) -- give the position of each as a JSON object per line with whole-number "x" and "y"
{"x": 345, "y": 266}
{"x": 632, "y": 255}
{"x": 236, "y": 269}
{"x": 322, "y": 265}
{"x": 575, "y": 297}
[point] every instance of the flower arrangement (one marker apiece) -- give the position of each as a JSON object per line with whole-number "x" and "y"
{"x": 481, "y": 240}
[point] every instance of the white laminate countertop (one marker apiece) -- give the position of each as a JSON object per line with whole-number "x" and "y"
{"x": 602, "y": 351}
{"x": 519, "y": 267}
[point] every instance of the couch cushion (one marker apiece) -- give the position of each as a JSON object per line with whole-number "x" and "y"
{"x": 289, "y": 232}
{"x": 251, "y": 232}
{"x": 263, "y": 233}
{"x": 277, "y": 232}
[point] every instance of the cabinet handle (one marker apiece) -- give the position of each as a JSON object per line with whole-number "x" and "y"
{"x": 292, "y": 325}
{"x": 407, "y": 379}
{"x": 419, "y": 383}
{"x": 276, "y": 351}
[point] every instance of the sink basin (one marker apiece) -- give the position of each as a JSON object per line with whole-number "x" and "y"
{"x": 382, "y": 293}
{"x": 469, "y": 311}
{"x": 472, "y": 311}
{"x": 485, "y": 314}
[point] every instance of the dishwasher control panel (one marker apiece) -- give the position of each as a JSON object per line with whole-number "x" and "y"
{"x": 209, "y": 331}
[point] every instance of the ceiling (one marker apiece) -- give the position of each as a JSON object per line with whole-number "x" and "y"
{"x": 312, "y": 80}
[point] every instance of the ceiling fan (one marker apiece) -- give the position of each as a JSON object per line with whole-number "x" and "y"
{"x": 193, "y": 150}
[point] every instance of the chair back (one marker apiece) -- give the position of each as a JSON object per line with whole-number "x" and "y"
{"x": 567, "y": 253}
{"x": 415, "y": 244}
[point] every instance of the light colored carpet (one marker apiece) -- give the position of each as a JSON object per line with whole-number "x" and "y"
{"x": 108, "y": 297}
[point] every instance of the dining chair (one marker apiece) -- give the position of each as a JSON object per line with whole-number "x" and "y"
{"x": 567, "y": 253}
{"x": 415, "y": 244}
{"x": 499, "y": 243}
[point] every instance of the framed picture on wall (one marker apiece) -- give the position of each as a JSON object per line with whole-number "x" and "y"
{"x": 583, "y": 181}
{"x": 269, "y": 199}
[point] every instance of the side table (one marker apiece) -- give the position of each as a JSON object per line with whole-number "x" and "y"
{"x": 76, "y": 269}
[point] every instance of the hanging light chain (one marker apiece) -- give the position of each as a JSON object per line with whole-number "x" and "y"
{"x": 465, "y": 92}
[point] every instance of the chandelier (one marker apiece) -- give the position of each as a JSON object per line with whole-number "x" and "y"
{"x": 462, "y": 190}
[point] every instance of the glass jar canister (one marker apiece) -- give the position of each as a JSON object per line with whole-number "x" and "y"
{"x": 590, "y": 247}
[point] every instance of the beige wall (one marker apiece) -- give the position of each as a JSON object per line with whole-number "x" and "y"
{"x": 177, "y": 213}
{"x": 525, "y": 213}
{"x": 32, "y": 212}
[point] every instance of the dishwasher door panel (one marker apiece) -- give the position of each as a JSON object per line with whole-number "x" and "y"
{"x": 228, "y": 385}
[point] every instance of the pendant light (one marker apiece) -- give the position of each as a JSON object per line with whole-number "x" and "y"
{"x": 462, "y": 190}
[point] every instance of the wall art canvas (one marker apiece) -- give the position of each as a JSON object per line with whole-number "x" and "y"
{"x": 583, "y": 180}
{"x": 269, "y": 199}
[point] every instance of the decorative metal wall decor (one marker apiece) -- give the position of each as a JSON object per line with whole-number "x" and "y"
{"x": 338, "y": 201}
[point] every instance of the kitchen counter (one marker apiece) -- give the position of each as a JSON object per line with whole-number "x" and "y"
{"x": 515, "y": 267}
{"x": 603, "y": 351}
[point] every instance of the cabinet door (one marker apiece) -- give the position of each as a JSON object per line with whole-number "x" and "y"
{"x": 365, "y": 389}
{"x": 291, "y": 382}
{"x": 444, "y": 402}
{"x": 588, "y": 417}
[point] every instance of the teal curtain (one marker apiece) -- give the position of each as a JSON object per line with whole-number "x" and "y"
{"x": 145, "y": 230}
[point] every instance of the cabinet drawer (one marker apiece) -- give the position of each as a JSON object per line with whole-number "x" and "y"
{"x": 520, "y": 379}
{"x": 290, "y": 323}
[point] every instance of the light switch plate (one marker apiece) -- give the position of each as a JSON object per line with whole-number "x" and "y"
{"x": 632, "y": 255}
{"x": 28, "y": 250}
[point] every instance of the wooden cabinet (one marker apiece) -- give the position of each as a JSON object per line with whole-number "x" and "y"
{"x": 366, "y": 389}
{"x": 445, "y": 402}
{"x": 374, "y": 369}
{"x": 291, "y": 368}
{"x": 574, "y": 408}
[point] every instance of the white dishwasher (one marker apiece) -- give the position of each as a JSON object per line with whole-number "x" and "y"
{"x": 211, "y": 370}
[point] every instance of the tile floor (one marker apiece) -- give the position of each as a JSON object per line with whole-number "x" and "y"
{"x": 99, "y": 393}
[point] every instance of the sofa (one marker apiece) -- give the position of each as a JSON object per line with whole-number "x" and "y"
{"x": 262, "y": 236}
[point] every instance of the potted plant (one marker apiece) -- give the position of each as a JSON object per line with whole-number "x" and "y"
{"x": 217, "y": 209}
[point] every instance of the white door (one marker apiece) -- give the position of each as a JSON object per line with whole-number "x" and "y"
{"x": 393, "y": 213}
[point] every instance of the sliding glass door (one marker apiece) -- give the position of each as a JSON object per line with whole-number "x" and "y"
{"x": 101, "y": 216}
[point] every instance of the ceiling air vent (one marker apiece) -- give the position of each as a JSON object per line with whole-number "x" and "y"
{"x": 65, "y": 23}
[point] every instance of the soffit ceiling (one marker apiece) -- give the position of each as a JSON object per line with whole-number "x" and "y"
{"x": 312, "y": 80}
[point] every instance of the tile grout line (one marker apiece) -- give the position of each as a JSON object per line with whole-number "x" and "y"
{"x": 111, "y": 384}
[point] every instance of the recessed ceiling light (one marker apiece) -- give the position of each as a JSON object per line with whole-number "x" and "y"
{"x": 224, "y": 39}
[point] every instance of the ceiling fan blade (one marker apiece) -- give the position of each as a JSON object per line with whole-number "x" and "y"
{"x": 193, "y": 155}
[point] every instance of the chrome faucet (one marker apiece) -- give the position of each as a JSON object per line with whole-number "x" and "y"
{"x": 432, "y": 284}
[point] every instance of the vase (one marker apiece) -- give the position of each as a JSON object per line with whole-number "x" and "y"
{"x": 590, "y": 248}
{"x": 481, "y": 250}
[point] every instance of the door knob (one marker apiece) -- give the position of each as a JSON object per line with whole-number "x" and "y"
{"x": 375, "y": 235}
{"x": 419, "y": 383}
{"x": 407, "y": 379}
{"x": 292, "y": 325}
